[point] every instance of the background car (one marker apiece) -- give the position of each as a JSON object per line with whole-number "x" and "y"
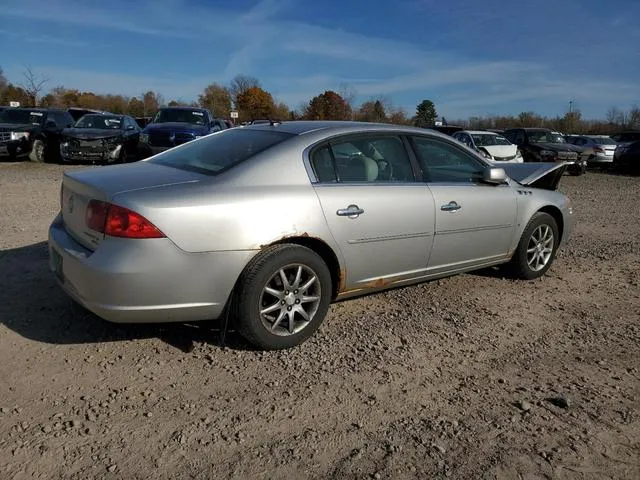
{"x": 491, "y": 145}
{"x": 172, "y": 126}
{"x": 269, "y": 224}
{"x": 101, "y": 138}
{"x": 627, "y": 157}
{"x": 32, "y": 131}
{"x": 544, "y": 145}
{"x": 597, "y": 150}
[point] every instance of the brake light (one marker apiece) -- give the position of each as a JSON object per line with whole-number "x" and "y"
{"x": 96, "y": 215}
{"x": 118, "y": 221}
{"x": 598, "y": 149}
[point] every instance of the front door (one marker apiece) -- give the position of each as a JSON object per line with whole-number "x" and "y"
{"x": 475, "y": 222}
{"x": 380, "y": 216}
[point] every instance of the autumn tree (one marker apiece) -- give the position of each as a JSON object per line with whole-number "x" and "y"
{"x": 255, "y": 103}
{"x": 281, "y": 111}
{"x": 216, "y": 99}
{"x": 529, "y": 119}
{"x": 151, "y": 102}
{"x": 399, "y": 116}
{"x": 239, "y": 86}
{"x": 3, "y": 81}
{"x": 327, "y": 106}
{"x": 13, "y": 93}
{"x": 372, "y": 111}
{"x": 425, "y": 114}
{"x": 33, "y": 84}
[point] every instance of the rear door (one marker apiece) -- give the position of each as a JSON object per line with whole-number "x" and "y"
{"x": 381, "y": 217}
{"x": 475, "y": 221}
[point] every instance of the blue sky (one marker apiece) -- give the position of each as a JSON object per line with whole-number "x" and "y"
{"x": 471, "y": 57}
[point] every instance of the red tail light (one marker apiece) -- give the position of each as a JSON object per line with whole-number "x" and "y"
{"x": 598, "y": 149}
{"x": 119, "y": 221}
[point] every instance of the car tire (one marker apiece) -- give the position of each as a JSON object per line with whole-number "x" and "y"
{"x": 268, "y": 312}
{"x": 37, "y": 153}
{"x": 526, "y": 262}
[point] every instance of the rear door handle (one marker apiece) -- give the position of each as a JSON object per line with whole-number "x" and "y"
{"x": 352, "y": 211}
{"x": 452, "y": 206}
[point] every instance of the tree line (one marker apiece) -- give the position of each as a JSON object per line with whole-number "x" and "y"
{"x": 246, "y": 95}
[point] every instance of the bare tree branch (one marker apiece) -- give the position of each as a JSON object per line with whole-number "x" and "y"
{"x": 33, "y": 84}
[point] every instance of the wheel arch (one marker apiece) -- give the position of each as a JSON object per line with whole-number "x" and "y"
{"x": 556, "y": 213}
{"x": 320, "y": 247}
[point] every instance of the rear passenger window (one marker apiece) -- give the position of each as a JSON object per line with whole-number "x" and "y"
{"x": 323, "y": 165}
{"x": 372, "y": 159}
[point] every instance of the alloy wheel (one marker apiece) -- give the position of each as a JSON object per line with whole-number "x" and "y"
{"x": 290, "y": 299}
{"x": 540, "y": 248}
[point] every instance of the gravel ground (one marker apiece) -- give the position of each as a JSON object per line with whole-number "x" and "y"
{"x": 472, "y": 377}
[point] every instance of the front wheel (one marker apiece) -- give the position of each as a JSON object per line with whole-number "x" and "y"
{"x": 37, "y": 151}
{"x": 537, "y": 247}
{"x": 282, "y": 296}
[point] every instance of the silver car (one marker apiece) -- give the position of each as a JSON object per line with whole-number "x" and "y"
{"x": 597, "y": 150}
{"x": 271, "y": 223}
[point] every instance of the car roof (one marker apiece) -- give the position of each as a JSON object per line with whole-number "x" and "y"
{"x": 300, "y": 127}
{"x": 182, "y": 107}
{"x": 479, "y": 132}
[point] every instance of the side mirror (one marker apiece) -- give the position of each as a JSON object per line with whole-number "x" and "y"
{"x": 494, "y": 175}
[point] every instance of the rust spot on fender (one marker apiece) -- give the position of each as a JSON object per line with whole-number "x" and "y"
{"x": 342, "y": 280}
{"x": 284, "y": 237}
{"x": 377, "y": 283}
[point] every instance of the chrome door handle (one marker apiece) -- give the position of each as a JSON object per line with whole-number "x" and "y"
{"x": 352, "y": 211}
{"x": 450, "y": 207}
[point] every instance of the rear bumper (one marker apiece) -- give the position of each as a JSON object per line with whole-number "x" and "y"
{"x": 593, "y": 159}
{"x": 143, "y": 281}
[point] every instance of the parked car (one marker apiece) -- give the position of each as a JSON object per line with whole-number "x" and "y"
{"x": 544, "y": 145}
{"x": 173, "y": 126}
{"x": 447, "y": 129}
{"x": 101, "y": 138}
{"x": 78, "y": 112}
{"x": 597, "y": 150}
{"x": 32, "y": 131}
{"x": 270, "y": 223}
{"x": 627, "y": 136}
{"x": 143, "y": 121}
{"x": 627, "y": 156}
{"x": 491, "y": 145}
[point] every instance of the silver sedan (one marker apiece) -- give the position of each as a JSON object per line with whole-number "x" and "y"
{"x": 271, "y": 223}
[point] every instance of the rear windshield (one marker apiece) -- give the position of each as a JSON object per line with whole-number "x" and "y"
{"x": 603, "y": 141}
{"x": 220, "y": 151}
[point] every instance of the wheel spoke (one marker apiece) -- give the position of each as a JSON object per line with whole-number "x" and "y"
{"x": 274, "y": 293}
{"x": 296, "y": 282}
{"x": 310, "y": 282}
{"x": 303, "y": 313}
{"x": 278, "y": 320}
{"x": 285, "y": 280}
{"x": 271, "y": 308}
{"x": 531, "y": 250}
{"x": 307, "y": 299}
{"x": 292, "y": 325}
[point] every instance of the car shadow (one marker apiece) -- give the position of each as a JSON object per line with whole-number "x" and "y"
{"x": 34, "y": 306}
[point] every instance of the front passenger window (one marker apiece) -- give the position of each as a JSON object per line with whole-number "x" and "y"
{"x": 445, "y": 163}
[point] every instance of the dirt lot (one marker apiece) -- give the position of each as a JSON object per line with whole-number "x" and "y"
{"x": 472, "y": 377}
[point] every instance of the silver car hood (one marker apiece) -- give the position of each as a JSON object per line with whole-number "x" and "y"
{"x": 538, "y": 175}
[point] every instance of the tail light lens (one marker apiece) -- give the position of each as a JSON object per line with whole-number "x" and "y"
{"x": 118, "y": 221}
{"x": 598, "y": 149}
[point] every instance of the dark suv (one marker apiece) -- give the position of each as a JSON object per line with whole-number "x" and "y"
{"x": 544, "y": 145}
{"x": 32, "y": 131}
{"x": 173, "y": 126}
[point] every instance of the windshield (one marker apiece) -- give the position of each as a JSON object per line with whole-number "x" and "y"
{"x": 486, "y": 140}
{"x": 24, "y": 117}
{"x": 218, "y": 152}
{"x": 542, "y": 136}
{"x": 104, "y": 122}
{"x": 180, "y": 115}
{"x": 603, "y": 141}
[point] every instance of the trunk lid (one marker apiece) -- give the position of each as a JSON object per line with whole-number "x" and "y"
{"x": 103, "y": 183}
{"x": 537, "y": 175}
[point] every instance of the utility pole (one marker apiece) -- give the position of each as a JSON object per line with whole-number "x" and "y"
{"x": 570, "y": 106}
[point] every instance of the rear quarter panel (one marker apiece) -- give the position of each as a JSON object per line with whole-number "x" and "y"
{"x": 253, "y": 205}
